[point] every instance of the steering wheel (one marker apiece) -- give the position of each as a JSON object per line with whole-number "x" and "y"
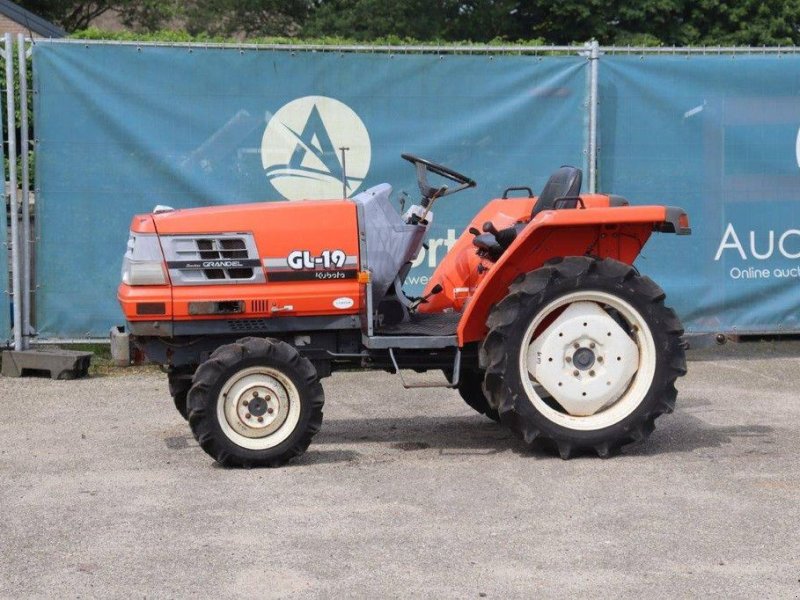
{"x": 440, "y": 170}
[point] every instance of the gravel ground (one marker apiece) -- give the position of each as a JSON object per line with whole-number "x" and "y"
{"x": 104, "y": 493}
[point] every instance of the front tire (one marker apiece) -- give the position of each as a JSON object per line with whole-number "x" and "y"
{"x": 255, "y": 403}
{"x": 179, "y": 385}
{"x": 470, "y": 387}
{"x": 583, "y": 353}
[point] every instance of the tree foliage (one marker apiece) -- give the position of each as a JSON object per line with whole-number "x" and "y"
{"x": 246, "y": 18}
{"x": 640, "y": 22}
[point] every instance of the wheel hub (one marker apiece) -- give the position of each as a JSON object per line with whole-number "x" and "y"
{"x": 256, "y": 406}
{"x": 583, "y": 359}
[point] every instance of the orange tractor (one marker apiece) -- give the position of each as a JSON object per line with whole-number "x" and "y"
{"x": 538, "y": 318}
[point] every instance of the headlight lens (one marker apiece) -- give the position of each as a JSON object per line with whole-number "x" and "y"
{"x": 143, "y": 263}
{"x": 143, "y": 273}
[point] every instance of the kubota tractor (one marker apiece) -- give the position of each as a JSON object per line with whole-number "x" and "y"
{"x": 539, "y": 320}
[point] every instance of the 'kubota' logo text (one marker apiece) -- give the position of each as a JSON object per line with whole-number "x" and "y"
{"x": 300, "y": 149}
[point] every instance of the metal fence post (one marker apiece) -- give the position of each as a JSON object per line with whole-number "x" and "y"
{"x": 25, "y": 238}
{"x": 8, "y": 52}
{"x": 4, "y": 272}
{"x": 594, "y": 56}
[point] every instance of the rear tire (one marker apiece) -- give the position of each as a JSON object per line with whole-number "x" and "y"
{"x": 470, "y": 387}
{"x": 255, "y": 403}
{"x": 544, "y": 389}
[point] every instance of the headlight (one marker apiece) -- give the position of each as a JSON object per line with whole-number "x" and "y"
{"x": 143, "y": 263}
{"x": 143, "y": 273}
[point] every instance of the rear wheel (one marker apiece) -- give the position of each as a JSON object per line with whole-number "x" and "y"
{"x": 583, "y": 352}
{"x": 256, "y": 402}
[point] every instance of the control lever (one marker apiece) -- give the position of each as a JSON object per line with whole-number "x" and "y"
{"x": 489, "y": 227}
{"x": 474, "y": 231}
{"x": 424, "y": 299}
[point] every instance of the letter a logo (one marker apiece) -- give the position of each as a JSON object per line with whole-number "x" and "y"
{"x": 300, "y": 149}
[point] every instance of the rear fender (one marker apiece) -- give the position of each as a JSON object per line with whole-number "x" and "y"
{"x": 618, "y": 233}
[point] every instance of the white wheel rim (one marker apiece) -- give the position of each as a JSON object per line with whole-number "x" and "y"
{"x": 258, "y": 408}
{"x": 596, "y": 372}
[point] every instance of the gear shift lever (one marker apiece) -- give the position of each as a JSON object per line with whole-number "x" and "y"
{"x": 489, "y": 227}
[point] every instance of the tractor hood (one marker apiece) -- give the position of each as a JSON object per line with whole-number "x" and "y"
{"x": 235, "y": 217}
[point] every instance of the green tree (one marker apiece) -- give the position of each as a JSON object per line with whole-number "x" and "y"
{"x": 242, "y": 18}
{"x": 647, "y": 22}
{"x": 744, "y": 22}
{"x": 75, "y": 15}
{"x": 669, "y": 22}
{"x": 246, "y": 18}
{"x": 426, "y": 20}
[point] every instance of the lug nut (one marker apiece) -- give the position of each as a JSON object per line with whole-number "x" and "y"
{"x": 268, "y": 398}
{"x": 270, "y": 410}
{"x": 255, "y": 394}
{"x": 576, "y": 345}
{"x": 245, "y": 403}
{"x": 260, "y": 419}
{"x": 568, "y": 359}
{"x": 576, "y": 373}
{"x": 599, "y": 359}
{"x": 247, "y": 416}
{"x": 591, "y": 345}
{"x": 591, "y": 373}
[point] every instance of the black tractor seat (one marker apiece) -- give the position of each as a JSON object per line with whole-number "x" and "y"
{"x": 565, "y": 182}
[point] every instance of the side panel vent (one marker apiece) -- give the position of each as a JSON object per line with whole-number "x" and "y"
{"x": 259, "y": 306}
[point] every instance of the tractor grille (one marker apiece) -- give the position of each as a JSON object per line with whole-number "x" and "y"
{"x": 228, "y": 258}
{"x": 211, "y": 249}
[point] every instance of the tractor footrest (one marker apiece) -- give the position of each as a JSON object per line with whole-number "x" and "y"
{"x": 414, "y": 342}
{"x": 60, "y": 364}
{"x": 424, "y": 324}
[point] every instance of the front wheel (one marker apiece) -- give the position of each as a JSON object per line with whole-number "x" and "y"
{"x": 583, "y": 352}
{"x": 470, "y": 387}
{"x": 179, "y": 384}
{"x": 255, "y": 403}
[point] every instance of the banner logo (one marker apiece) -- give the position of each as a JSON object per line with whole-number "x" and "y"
{"x": 300, "y": 149}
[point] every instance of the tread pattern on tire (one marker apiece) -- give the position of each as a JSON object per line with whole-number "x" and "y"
{"x": 179, "y": 390}
{"x": 498, "y": 354}
{"x": 471, "y": 389}
{"x": 202, "y": 400}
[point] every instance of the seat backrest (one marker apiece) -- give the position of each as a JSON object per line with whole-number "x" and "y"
{"x": 566, "y": 182}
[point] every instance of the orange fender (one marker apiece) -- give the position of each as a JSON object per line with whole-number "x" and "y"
{"x": 618, "y": 232}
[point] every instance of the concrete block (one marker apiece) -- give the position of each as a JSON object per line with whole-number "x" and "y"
{"x": 61, "y": 364}
{"x": 120, "y": 347}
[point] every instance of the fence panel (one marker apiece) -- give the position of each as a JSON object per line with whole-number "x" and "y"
{"x": 717, "y": 135}
{"x": 5, "y": 297}
{"x": 5, "y": 261}
{"x": 122, "y": 128}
